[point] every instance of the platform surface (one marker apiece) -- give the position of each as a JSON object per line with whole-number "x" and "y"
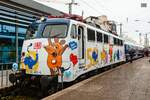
{"x": 130, "y": 81}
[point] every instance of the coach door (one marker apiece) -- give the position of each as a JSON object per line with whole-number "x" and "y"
{"x": 81, "y": 43}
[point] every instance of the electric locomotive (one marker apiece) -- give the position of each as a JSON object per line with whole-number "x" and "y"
{"x": 58, "y": 50}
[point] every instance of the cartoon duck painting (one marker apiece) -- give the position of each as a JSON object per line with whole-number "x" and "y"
{"x": 30, "y": 61}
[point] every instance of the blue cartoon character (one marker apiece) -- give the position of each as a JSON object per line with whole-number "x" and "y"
{"x": 73, "y": 45}
{"x": 118, "y": 54}
{"x": 92, "y": 56}
{"x": 30, "y": 61}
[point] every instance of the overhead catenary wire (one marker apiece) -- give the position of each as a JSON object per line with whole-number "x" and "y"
{"x": 88, "y": 5}
{"x": 100, "y": 4}
{"x": 83, "y": 1}
{"x": 53, "y": 1}
{"x": 104, "y": 7}
{"x": 94, "y": 7}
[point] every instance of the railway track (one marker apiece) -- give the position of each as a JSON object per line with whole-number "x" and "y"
{"x": 31, "y": 92}
{"x": 28, "y": 92}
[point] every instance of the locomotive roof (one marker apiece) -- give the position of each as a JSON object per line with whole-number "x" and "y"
{"x": 65, "y": 20}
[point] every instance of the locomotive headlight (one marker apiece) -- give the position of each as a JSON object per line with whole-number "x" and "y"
{"x": 53, "y": 61}
{"x": 14, "y": 67}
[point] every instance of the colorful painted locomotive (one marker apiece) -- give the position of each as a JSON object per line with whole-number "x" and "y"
{"x": 67, "y": 49}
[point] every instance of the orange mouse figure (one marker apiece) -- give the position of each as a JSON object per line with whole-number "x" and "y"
{"x": 55, "y": 51}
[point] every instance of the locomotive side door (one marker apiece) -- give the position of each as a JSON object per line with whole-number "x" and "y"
{"x": 81, "y": 42}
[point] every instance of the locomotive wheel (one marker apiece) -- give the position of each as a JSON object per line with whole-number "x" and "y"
{"x": 12, "y": 78}
{"x": 44, "y": 82}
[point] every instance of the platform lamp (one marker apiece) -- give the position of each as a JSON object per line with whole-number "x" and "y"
{"x": 140, "y": 39}
{"x": 140, "y": 36}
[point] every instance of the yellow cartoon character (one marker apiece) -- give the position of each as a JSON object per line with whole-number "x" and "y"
{"x": 92, "y": 55}
{"x": 30, "y": 61}
{"x": 103, "y": 56}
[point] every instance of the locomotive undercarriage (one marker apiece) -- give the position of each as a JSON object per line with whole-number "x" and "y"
{"x": 44, "y": 83}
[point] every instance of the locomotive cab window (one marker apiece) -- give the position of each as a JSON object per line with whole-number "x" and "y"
{"x": 55, "y": 30}
{"x": 90, "y": 35}
{"x": 32, "y": 30}
{"x": 105, "y": 38}
{"x": 73, "y": 33}
{"x": 99, "y": 37}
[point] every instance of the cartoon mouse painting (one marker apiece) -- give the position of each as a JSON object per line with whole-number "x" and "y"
{"x": 55, "y": 51}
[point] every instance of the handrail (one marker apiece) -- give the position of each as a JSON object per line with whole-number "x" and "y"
{"x": 6, "y": 63}
{"x": 4, "y": 73}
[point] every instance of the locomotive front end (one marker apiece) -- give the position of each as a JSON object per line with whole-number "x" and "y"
{"x": 44, "y": 52}
{"x": 44, "y": 47}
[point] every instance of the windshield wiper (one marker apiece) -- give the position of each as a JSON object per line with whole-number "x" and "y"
{"x": 56, "y": 35}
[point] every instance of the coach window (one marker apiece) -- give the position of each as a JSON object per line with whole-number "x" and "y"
{"x": 105, "y": 38}
{"x": 73, "y": 33}
{"x": 99, "y": 37}
{"x": 121, "y": 42}
{"x": 111, "y": 41}
{"x": 91, "y": 35}
{"x": 115, "y": 42}
{"x": 118, "y": 41}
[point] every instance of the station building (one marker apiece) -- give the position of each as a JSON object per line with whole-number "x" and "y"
{"x": 15, "y": 16}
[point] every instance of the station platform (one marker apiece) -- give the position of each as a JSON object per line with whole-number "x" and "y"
{"x": 130, "y": 81}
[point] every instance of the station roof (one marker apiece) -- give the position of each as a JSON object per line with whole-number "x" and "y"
{"x": 38, "y": 7}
